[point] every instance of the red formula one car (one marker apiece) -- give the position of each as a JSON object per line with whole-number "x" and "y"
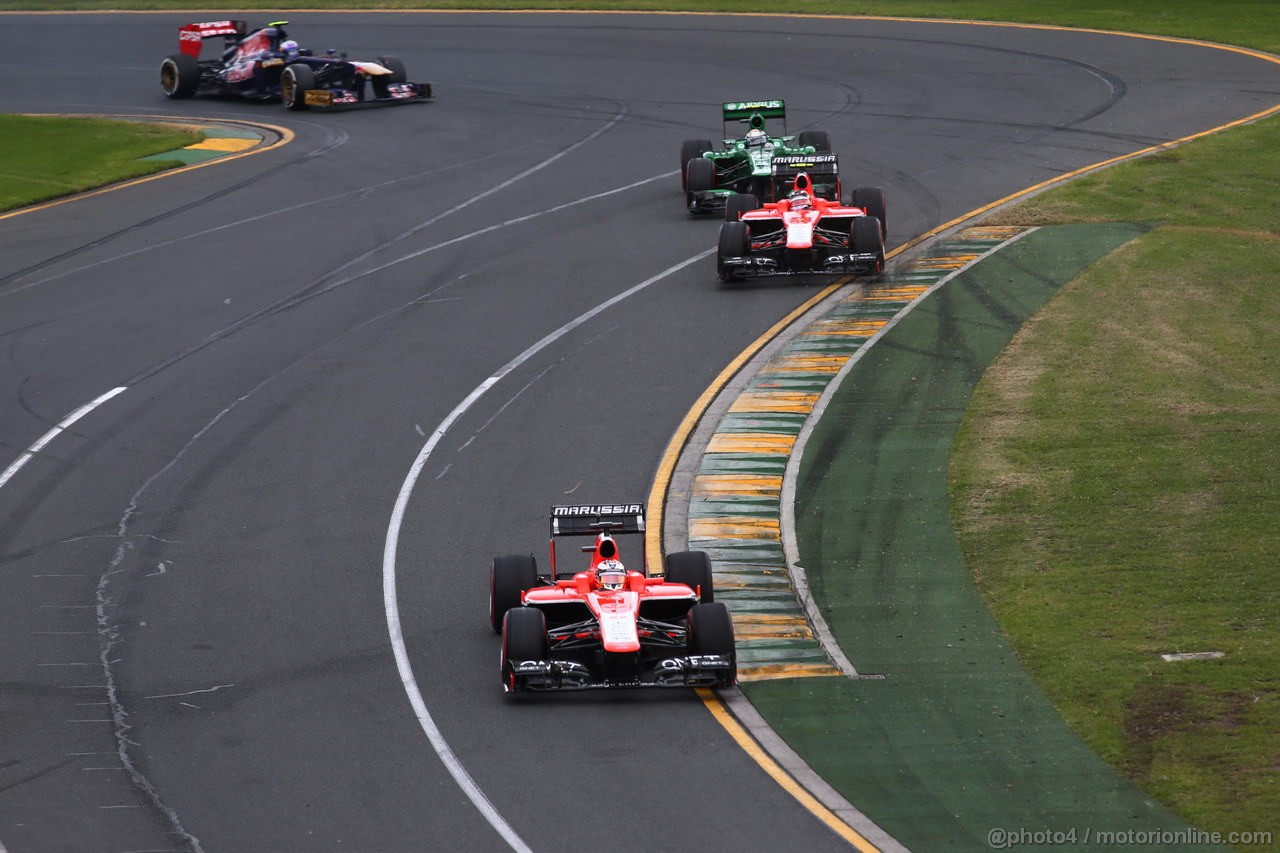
{"x": 802, "y": 234}
{"x": 607, "y": 626}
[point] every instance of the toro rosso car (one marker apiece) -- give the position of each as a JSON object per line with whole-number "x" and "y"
{"x": 608, "y": 626}
{"x": 711, "y": 176}
{"x": 266, "y": 65}
{"x": 803, "y": 234}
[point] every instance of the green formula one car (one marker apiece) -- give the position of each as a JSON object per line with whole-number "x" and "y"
{"x": 757, "y": 164}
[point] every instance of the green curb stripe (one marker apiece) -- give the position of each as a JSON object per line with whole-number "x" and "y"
{"x": 735, "y": 507}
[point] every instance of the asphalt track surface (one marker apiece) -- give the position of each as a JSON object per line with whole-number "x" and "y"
{"x": 197, "y": 647}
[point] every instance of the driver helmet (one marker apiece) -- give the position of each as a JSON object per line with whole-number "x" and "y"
{"x": 611, "y": 574}
{"x": 800, "y": 200}
{"x": 289, "y": 48}
{"x": 756, "y": 138}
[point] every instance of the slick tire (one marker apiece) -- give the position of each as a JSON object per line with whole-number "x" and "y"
{"x": 711, "y": 633}
{"x": 524, "y": 637}
{"x": 871, "y": 199}
{"x": 819, "y": 139}
{"x": 509, "y": 577}
{"x": 735, "y": 242}
{"x": 397, "y": 75}
{"x": 699, "y": 175}
{"x": 295, "y": 82}
{"x": 691, "y": 149}
{"x": 179, "y": 76}
{"x": 736, "y": 205}
{"x": 866, "y": 236}
{"x": 693, "y": 569}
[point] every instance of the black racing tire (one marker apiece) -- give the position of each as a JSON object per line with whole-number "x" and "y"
{"x": 380, "y": 82}
{"x": 524, "y": 637}
{"x": 691, "y": 149}
{"x": 693, "y": 569}
{"x": 871, "y": 199}
{"x": 295, "y": 82}
{"x": 735, "y": 242}
{"x": 819, "y": 139}
{"x": 711, "y": 633}
{"x": 179, "y": 76}
{"x": 396, "y": 67}
{"x": 699, "y": 175}
{"x": 866, "y": 236}
{"x": 509, "y": 577}
{"x": 736, "y": 205}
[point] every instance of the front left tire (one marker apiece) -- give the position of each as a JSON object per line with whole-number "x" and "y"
{"x": 296, "y": 80}
{"x": 735, "y": 242}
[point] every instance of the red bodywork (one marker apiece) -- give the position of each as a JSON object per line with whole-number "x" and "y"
{"x": 801, "y": 226}
{"x": 192, "y": 36}
{"x": 616, "y": 611}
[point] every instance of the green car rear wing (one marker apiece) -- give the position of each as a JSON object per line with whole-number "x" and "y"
{"x": 754, "y": 113}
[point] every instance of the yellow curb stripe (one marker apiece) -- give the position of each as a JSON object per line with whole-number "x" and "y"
{"x": 735, "y": 528}
{"x": 807, "y": 364}
{"x": 750, "y": 442}
{"x": 996, "y": 233}
{"x": 737, "y": 484}
{"x": 774, "y": 401}
{"x": 775, "y": 671}
{"x": 223, "y": 143}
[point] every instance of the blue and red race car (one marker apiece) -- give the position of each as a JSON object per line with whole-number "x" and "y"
{"x": 266, "y": 65}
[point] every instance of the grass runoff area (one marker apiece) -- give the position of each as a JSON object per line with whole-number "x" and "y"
{"x": 1116, "y": 482}
{"x": 47, "y": 157}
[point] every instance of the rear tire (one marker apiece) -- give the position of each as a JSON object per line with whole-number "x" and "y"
{"x": 866, "y": 237}
{"x": 711, "y": 633}
{"x": 524, "y": 637}
{"x": 691, "y": 149}
{"x": 735, "y": 242}
{"x": 736, "y": 205}
{"x": 819, "y": 139}
{"x": 693, "y": 569}
{"x": 296, "y": 80}
{"x": 509, "y": 578}
{"x": 179, "y": 76}
{"x": 871, "y": 199}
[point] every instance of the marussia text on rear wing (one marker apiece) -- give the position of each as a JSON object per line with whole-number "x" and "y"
{"x": 590, "y": 519}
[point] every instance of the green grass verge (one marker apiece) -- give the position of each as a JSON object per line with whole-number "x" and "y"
{"x": 1116, "y": 480}
{"x": 1116, "y": 476}
{"x": 1243, "y": 22}
{"x": 48, "y": 157}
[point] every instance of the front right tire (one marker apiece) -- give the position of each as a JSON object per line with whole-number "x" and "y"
{"x": 524, "y": 637}
{"x": 691, "y": 149}
{"x": 711, "y": 633}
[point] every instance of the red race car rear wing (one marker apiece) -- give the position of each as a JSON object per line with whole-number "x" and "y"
{"x": 192, "y": 36}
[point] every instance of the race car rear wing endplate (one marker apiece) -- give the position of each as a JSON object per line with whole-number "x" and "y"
{"x": 191, "y": 36}
{"x": 590, "y": 519}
